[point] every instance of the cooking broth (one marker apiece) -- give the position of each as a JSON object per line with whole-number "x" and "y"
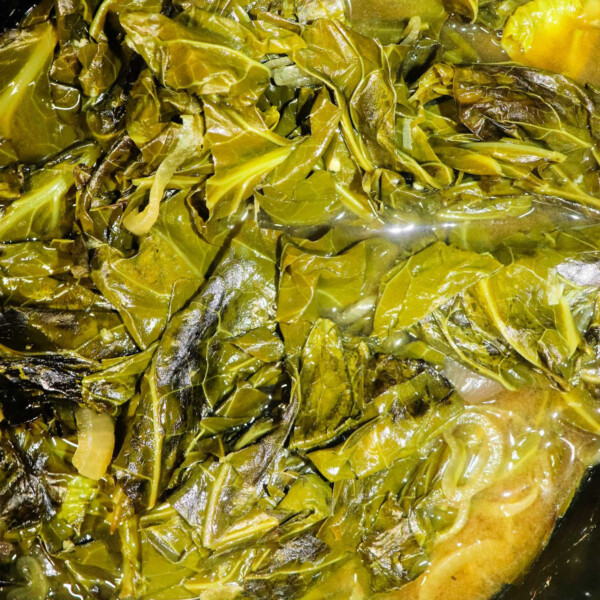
{"x": 510, "y": 522}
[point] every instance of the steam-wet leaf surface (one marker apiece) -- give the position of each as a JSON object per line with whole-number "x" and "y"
{"x": 329, "y": 278}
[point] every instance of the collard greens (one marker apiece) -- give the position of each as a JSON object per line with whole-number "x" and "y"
{"x": 251, "y": 236}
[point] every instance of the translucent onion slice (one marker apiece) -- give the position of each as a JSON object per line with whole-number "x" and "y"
{"x": 435, "y": 582}
{"x": 472, "y": 387}
{"x": 479, "y": 470}
{"x": 95, "y": 444}
{"x": 462, "y": 516}
{"x": 189, "y": 142}
{"x": 510, "y": 509}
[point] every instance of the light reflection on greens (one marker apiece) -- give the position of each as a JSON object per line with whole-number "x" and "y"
{"x": 275, "y": 244}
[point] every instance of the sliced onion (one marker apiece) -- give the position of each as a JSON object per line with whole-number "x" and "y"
{"x": 435, "y": 580}
{"x": 462, "y": 516}
{"x": 189, "y": 141}
{"x": 490, "y": 455}
{"x": 95, "y": 443}
{"x": 510, "y": 509}
{"x": 472, "y": 387}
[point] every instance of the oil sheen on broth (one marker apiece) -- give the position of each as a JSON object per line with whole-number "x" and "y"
{"x": 511, "y": 520}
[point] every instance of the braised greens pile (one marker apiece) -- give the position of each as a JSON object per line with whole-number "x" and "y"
{"x": 259, "y": 260}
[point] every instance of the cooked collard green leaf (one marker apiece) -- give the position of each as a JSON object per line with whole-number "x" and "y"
{"x": 297, "y": 297}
